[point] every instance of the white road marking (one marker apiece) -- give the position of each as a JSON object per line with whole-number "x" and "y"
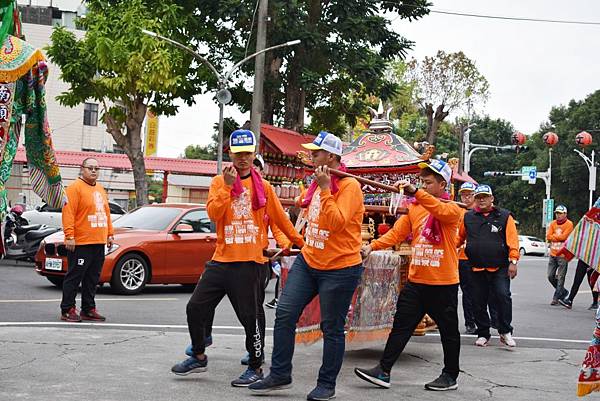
{"x": 124, "y": 325}
{"x": 24, "y": 301}
{"x": 554, "y": 340}
{"x": 182, "y": 326}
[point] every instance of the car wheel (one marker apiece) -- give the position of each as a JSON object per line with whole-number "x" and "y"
{"x": 522, "y": 252}
{"x": 130, "y": 275}
{"x": 57, "y": 281}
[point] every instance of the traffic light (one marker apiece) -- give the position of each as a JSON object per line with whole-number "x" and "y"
{"x": 509, "y": 148}
{"x": 493, "y": 173}
{"x": 522, "y": 149}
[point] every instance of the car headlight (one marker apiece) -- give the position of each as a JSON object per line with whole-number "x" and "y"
{"x": 108, "y": 251}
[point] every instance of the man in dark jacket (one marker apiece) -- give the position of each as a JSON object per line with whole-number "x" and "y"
{"x": 493, "y": 252}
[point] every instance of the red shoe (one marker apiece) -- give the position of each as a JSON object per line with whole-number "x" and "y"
{"x": 92, "y": 315}
{"x": 71, "y": 316}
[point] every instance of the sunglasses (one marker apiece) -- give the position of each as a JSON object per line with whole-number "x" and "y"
{"x": 92, "y": 168}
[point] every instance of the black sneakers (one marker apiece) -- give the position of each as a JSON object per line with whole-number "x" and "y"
{"x": 248, "y": 377}
{"x": 374, "y": 375}
{"x": 269, "y": 384}
{"x": 321, "y": 393}
{"x": 190, "y": 365}
{"x": 567, "y": 303}
{"x": 443, "y": 383}
{"x": 272, "y": 304}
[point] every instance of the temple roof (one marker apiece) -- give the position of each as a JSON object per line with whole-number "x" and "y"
{"x": 383, "y": 149}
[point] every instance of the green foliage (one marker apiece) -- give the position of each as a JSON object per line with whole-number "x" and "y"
{"x": 155, "y": 189}
{"x": 126, "y": 70}
{"x": 116, "y": 62}
{"x": 345, "y": 47}
{"x": 208, "y": 152}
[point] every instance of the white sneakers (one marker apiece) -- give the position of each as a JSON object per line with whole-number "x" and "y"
{"x": 508, "y": 340}
{"x": 482, "y": 342}
{"x": 505, "y": 339}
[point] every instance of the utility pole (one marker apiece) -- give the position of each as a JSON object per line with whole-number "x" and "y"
{"x": 259, "y": 71}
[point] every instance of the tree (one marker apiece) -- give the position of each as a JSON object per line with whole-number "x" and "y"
{"x": 569, "y": 171}
{"x": 445, "y": 83}
{"x": 345, "y": 47}
{"x": 125, "y": 70}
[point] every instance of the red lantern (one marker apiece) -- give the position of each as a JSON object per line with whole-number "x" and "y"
{"x": 583, "y": 139}
{"x": 518, "y": 138}
{"x": 550, "y": 138}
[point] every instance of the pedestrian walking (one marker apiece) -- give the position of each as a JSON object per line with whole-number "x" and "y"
{"x": 433, "y": 278}
{"x": 492, "y": 246}
{"x": 329, "y": 266}
{"x": 88, "y": 230}
{"x": 583, "y": 270}
{"x": 238, "y": 203}
{"x": 558, "y": 232}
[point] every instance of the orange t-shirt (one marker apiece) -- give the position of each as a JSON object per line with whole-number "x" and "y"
{"x": 242, "y": 233}
{"x": 558, "y": 234}
{"x": 433, "y": 264}
{"x": 333, "y": 232}
{"x": 461, "y": 247}
{"x": 86, "y": 215}
{"x": 280, "y": 238}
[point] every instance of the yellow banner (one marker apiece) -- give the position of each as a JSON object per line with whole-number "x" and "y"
{"x": 151, "y": 137}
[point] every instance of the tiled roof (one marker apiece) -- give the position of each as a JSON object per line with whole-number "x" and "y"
{"x": 287, "y": 141}
{"x": 115, "y": 160}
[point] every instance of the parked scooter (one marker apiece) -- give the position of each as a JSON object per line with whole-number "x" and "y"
{"x": 21, "y": 240}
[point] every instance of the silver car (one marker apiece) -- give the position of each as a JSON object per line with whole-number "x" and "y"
{"x": 44, "y": 214}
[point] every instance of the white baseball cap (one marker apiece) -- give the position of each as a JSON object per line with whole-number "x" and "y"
{"x": 327, "y": 142}
{"x": 439, "y": 167}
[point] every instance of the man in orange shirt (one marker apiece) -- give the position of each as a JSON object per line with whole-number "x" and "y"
{"x": 493, "y": 251}
{"x": 558, "y": 232}
{"x": 330, "y": 266}
{"x": 241, "y": 204}
{"x": 432, "y": 286}
{"x": 464, "y": 268}
{"x": 88, "y": 229}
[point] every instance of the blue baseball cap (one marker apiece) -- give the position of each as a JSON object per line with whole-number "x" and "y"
{"x": 483, "y": 190}
{"x": 327, "y": 142}
{"x": 439, "y": 167}
{"x": 242, "y": 140}
{"x": 467, "y": 186}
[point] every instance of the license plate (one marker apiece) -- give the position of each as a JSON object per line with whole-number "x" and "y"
{"x": 54, "y": 264}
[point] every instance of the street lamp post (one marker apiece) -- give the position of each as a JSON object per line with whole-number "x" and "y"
{"x": 223, "y": 95}
{"x": 591, "y": 165}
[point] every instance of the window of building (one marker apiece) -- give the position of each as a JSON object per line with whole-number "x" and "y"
{"x": 90, "y": 114}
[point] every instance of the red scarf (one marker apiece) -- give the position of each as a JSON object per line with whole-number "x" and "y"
{"x": 259, "y": 200}
{"x": 313, "y": 186}
{"x": 432, "y": 231}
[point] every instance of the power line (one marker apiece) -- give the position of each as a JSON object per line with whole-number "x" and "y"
{"x": 515, "y": 18}
{"x": 500, "y": 17}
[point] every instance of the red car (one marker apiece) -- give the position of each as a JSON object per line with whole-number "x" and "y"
{"x": 154, "y": 244}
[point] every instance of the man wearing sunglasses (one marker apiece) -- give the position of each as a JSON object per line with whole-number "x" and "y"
{"x": 88, "y": 229}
